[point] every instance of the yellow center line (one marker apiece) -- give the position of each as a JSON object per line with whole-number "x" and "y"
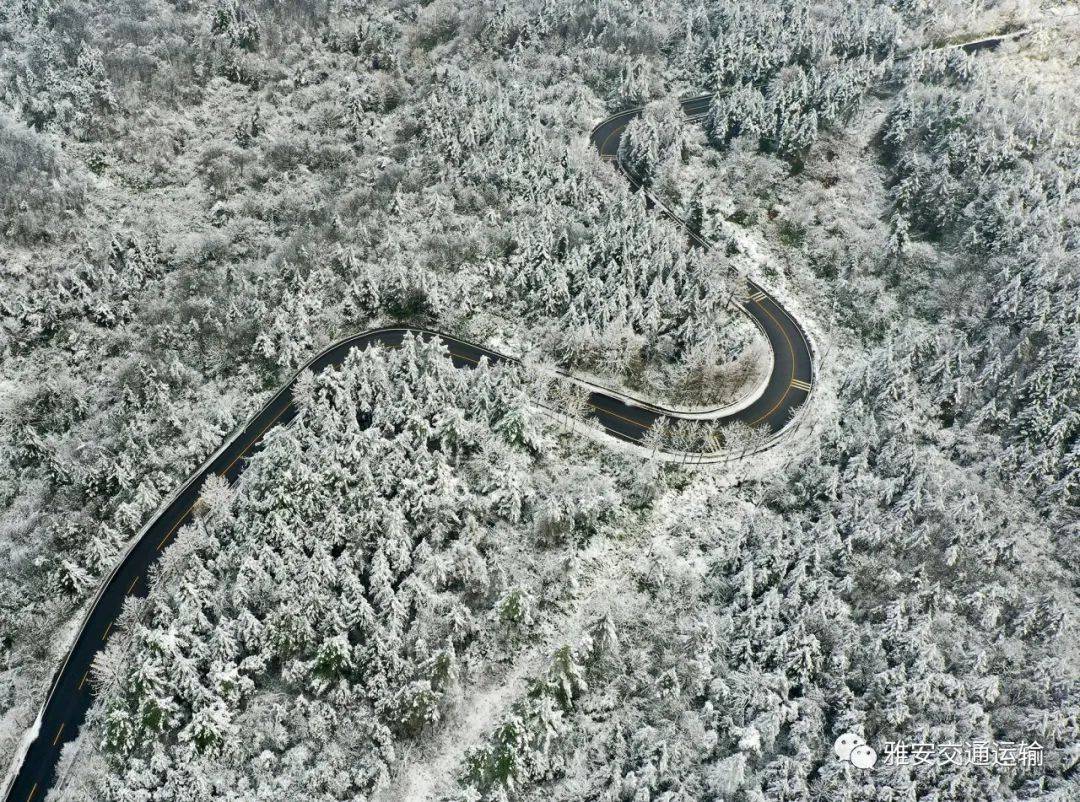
{"x": 467, "y": 358}
{"x": 184, "y": 515}
{"x": 103, "y": 637}
{"x": 791, "y": 350}
{"x": 761, "y": 296}
{"x": 612, "y": 133}
{"x": 179, "y": 521}
{"x": 136, "y": 579}
{"x": 256, "y": 439}
{"x": 57, "y": 737}
{"x": 83, "y": 680}
{"x": 32, "y": 792}
{"x": 617, "y": 415}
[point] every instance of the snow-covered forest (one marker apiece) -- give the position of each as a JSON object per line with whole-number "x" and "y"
{"x": 424, "y": 588}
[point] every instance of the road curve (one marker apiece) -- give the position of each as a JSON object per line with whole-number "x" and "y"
{"x": 793, "y": 372}
{"x": 71, "y": 693}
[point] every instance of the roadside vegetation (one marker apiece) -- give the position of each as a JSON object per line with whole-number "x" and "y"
{"x": 424, "y": 589}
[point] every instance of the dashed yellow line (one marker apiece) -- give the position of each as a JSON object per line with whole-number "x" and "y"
{"x": 255, "y": 439}
{"x": 32, "y": 792}
{"x": 613, "y": 132}
{"x": 617, "y": 415}
{"x": 106, "y": 633}
{"x": 83, "y": 680}
{"x": 466, "y": 358}
{"x": 57, "y": 736}
{"x": 178, "y": 522}
{"x": 132, "y": 585}
{"x": 791, "y": 350}
{"x": 239, "y": 456}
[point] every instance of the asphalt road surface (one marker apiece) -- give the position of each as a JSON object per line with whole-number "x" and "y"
{"x": 792, "y": 376}
{"x": 71, "y": 692}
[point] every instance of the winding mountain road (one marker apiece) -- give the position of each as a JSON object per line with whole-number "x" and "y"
{"x": 71, "y": 693}
{"x": 793, "y": 371}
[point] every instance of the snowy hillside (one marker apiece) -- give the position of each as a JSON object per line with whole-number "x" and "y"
{"x": 430, "y": 587}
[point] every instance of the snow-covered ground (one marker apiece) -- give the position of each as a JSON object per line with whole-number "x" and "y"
{"x": 227, "y": 194}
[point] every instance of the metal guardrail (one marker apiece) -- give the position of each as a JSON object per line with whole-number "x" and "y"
{"x": 792, "y": 425}
{"x": 699, "y": 458}
{"x": 33, "y": 731}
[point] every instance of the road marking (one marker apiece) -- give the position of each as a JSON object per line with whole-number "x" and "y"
{"x": 619, "y": 435}
{"x": 57, "y": 736}
{"x": 253, "y": 442}
{"x": 83, "y": 680}
{"x": 614, "y": 132}
{"x": 620, "y": 417}
{"x": 239, "y": 456}
{"x": 103, "y": 637}
{"x": 757, "y": 296}
{"x": 136, "y": 579}
{"x": 466, "y": 358}
{"x": 32, "y": 792}
{"x": 791, "y": 350}
{"x": 178, "y": 522}
{"x": 799, "y": 384}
